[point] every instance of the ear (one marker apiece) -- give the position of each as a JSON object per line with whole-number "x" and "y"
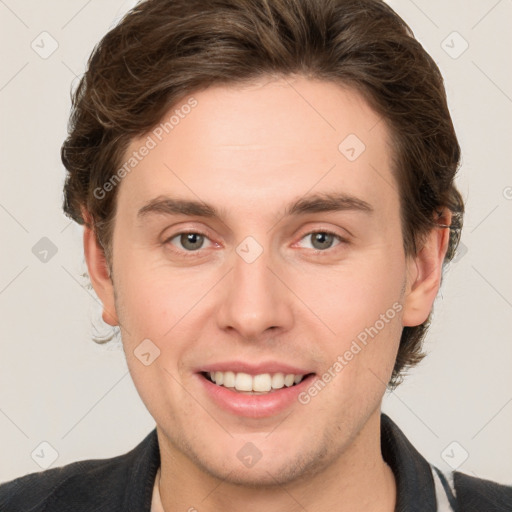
{"x": 99, "y": 271}
{"x": 424, "y": 273}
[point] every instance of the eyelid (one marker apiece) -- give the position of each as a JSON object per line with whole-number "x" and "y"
{"x": 185, "y": 231}
{"x": 342, "y": 239}
{"x": 324, "y": 229}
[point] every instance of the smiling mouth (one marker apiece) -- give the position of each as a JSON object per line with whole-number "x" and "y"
{"x": 260, "y": 384}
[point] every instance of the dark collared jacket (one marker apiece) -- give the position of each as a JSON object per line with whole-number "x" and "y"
{"x": 125, "y": 483}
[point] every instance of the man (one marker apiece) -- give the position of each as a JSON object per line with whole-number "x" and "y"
{"x": 267, "y": 190}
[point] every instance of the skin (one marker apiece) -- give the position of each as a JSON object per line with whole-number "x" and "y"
{"x": 250, "y": 151}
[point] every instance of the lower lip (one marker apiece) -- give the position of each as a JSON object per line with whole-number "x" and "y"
{"x": 254, "y": 406}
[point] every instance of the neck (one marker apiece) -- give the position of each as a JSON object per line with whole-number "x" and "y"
{"x": 356, "y": 480}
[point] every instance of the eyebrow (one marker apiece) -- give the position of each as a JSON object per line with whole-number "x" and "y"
{"x": 315, "y": 203}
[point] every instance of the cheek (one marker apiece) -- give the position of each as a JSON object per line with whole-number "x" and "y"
{"x": 153, "y": 298}
{"x": 361, "y": 357}
{"x": 353, "y": 297}
{"x": 362, "y": 306}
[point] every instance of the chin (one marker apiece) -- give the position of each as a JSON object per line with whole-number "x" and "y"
{"x": 269, "y": 471}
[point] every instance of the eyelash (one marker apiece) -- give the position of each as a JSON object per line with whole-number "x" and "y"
{"x": 189, "y": 254}
{"x": 318, "y": 252}
{"x": 186, "y": 254}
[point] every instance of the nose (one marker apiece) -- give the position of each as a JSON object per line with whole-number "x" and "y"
{"x": 255, "y": 303}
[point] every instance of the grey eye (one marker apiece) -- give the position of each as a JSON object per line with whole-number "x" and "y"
{"x": 191, "y": 241}
{"x": 321, "y": 241}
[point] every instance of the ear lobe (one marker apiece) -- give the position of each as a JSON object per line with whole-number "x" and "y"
{"x": 99, "y": 272}
{"x": 424, "y": 274}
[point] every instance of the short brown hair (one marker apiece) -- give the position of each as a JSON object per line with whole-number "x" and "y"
{"x": 163, "y": 50}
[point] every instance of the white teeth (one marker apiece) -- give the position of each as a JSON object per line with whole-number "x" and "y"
{"x": 229, "y": 379}
{"x": 243, "y": 382}
{"x": 278, "y": 381}
{"x": 261, "y": 383}
{"x": 288, "y": 380}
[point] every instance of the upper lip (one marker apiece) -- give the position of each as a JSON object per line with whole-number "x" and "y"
{"x": 254, "y": 369}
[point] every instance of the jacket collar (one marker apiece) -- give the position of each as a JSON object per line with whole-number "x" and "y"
{"x": 141, "y": 479}
{"x": 413, "y": 474}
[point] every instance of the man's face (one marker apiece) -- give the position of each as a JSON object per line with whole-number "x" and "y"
{"x": 260, "y": 289}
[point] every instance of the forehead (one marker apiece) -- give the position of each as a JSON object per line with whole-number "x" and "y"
{"x": 253, "y": 145}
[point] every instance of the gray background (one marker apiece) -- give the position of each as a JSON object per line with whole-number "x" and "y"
{"x": 58, "y": 387}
